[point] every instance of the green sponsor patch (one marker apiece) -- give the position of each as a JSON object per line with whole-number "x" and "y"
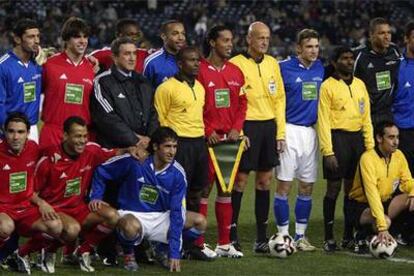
{"x": 17, "y": 182}
{"x": 74, "y": 93}
{"x": 73, "y": 187}
{"x": 148, "y": 194}
{"x": 383, "y": 80}
{"x": 29, "y": 90}
{"x": 309, "y": 91}
{"x": 222, "y": 98}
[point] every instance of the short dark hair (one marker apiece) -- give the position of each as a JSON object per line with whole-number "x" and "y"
{"x": 183, "y": 51}
{"x": 161, "y": 135}
{"x": 17, "y": 117}
{"x": 116, "y": 44}
{"x": 73, "y": 27}
{"x": 379, "y": 129}
{"x": 164, "y": 25}
{"x": 338, "y": 51}
{"x": 306, "y": 34}
{"x": 213, "y": 34}
{"x": 123, "y": 23}
{"x": 69, "y": 122}
{"x": 24, "y": 24}
{"x": 376, "y": 22}
{"x": 409, "y": 27}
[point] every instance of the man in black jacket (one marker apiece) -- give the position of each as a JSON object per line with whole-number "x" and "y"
{"x": 377, "y": 65}
{"x": 123, "y": 114}
{"x": 122, "y": 108}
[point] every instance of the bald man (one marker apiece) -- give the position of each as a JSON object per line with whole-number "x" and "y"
{"x": 264, "y": 125}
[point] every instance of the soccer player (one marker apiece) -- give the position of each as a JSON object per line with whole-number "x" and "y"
{"x": 20, "y": 76}
{"x": 63, "y": 178}
{"x": 179, "y": 102}
{"x": 264, "y": 125}
{"x": 403, "y": 106}
{"x": 383, "y": 186}
{"x": 224, "y": 114}
{"x": 67, "y": 83}
{"x": 376, "y": 64}
{"x": 124, "y": 28}
{"x": 345, "y": 131}
{"x": 162, "y": 64}
{"x": 151, "y": 199}
{"x": 302, "y": 78}
{"x": 20, "y": 209}
{"x": 122, "y": 104}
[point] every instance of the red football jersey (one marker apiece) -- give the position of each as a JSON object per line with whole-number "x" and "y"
{"x": 17, "y": 175}
{"x": 225, "y": 103}
{"x": 67, "y": 88}
{"x": 104, "y": 56}
{"x": 63, "y": 181}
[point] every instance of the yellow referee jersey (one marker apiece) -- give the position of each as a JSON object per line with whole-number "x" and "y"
{"x": 264, "y": 90}
{"x": 376, "y": 180}
{"x": 343, "y": 107}
{"x": 180, "y": 107}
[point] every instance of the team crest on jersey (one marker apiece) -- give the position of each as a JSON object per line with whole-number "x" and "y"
{"x": 361, "y": 106}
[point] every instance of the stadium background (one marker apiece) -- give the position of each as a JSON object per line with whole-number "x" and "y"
{"x": 340, "y": 21}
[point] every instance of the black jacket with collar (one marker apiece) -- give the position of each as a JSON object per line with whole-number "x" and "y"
{"x": 122, "y": 107}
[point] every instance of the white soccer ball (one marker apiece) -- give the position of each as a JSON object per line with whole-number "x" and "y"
{"x": 281, "y": 246}
{"x": 381, "y": 250}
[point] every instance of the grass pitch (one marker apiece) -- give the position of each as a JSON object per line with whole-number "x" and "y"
{"x": 301, "y": 263}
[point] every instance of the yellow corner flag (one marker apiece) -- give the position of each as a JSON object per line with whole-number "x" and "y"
{"x": 226, "y": 158}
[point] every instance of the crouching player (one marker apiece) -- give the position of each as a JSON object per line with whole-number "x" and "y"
{"x": 151, "y": 200}
{"x": 19, "y": 207}
{"x": 63, "y": 177}
{"x": 383, "y": 187}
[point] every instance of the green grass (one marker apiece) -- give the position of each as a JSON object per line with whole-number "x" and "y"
{"x": 302, "y": 263}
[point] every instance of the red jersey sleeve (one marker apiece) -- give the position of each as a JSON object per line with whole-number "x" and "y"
{"x": 41, "y": 174}
{"x": 100, "y": 154}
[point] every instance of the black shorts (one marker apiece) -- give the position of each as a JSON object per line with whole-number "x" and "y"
{"x": 407, "y": 146}
{"x": 262, "y": 154}
{"x": 348, "y": 148}
{"x": 356, "y": 209}
{"x": 192, "y": 154}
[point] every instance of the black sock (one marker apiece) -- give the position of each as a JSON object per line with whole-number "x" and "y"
{"x": 262, "y": 203}
{"x": 348, "y": 225}
{"x": 236, "y": 198}
{"x": 328, "y": 217}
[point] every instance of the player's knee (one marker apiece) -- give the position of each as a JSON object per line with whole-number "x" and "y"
{"x": 305, "y": 189}
{"x": 333, "y": 189}
{"x": 283, "y": 188}
{"x": 241, "y": 182}
{"x": 200, "y": 222}
{"x": 111, "y": 216}
{"x": 54, "y": 227}
{"x": 6, "y": 228}
{"x": 71, "y": 231}
{"x": 129, "y": 226}
{"x": 388, "y": 221}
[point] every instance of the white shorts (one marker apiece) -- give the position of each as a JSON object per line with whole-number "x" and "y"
{"x": 300, "y": 158}
{"x": 155, "y": 225}
{"x": 34, "y": 133}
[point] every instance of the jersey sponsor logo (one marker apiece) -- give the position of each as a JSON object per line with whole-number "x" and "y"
{"x": 73, "y": 187}
{"x": 63, "y": 77}
{"x": 309, "y": 91}
{"x": 17, "y": 182}
{"x": 383, "y": 79}
{"x": 233, "y": 83}
{"x": 222, "y": 98}
{"x": 20, "y": 80}
{"x": 63, "y": 175}
{"x": 6, "y": 167}
{"x": 121, "y": 96}
{"x": 407, "y": 85}
{"x": 148, "y": 194}
{"x": 29, "y": 90}
{"x": 211, "y": 84}
{"x": 370, "y": 65}
{"x": 74, "y": 93}
{"x": 298, "y": 79}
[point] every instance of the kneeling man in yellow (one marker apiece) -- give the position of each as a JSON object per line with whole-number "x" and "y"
{"x": 383, "y": 187}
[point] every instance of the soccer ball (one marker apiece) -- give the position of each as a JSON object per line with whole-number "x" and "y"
{"x": 381, "y": 250}
{"x": 281, "y": 246}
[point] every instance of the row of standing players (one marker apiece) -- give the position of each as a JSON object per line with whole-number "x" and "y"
{"x": 224, "y": 100}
